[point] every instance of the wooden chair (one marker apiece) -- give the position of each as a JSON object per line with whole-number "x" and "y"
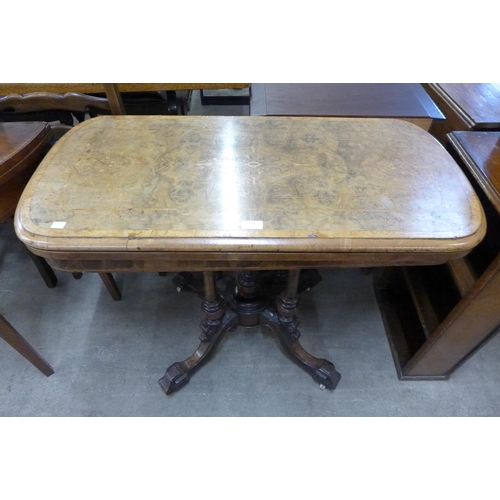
{"x": 22, "y": 147}
{"x": 50, "y": 107}
{"x": 64, "y": 107}
{"x": 16, "y": 166}
{"x": 150, "y": 103}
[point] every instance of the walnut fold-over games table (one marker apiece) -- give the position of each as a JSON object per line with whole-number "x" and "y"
{"x": 254, "y": 203}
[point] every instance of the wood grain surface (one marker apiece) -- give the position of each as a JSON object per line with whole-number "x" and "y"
{"x": 478, "y": 104}
{"x": 19, "y": 141}
{"x": 200, "y": 184}
{"x": 22, "y": 146}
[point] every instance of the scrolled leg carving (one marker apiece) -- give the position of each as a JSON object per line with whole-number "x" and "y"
{"x": 284, "y": 322}
{"x": 248, "y": 302}
{"x": 214, "y": 325}
{"x": 179, "y": 373}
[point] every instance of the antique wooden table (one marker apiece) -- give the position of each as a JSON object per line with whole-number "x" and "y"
{"x": 247, "y": 194}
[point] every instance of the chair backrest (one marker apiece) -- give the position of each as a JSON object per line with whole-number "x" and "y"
{"x": 43, "y": 101}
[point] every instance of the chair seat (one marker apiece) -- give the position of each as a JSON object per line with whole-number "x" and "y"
{"x": 22, "y": 146}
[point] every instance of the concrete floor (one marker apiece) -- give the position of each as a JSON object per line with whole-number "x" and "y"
{"x": 109, "y": 355}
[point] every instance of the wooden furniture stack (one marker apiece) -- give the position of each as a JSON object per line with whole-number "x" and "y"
{"x": 436, "y": 318}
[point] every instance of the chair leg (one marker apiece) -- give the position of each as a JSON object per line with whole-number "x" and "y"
{"x": 19, "y": 343}
{"x": 110, "y": 284}
{"x": 45, "y": 270}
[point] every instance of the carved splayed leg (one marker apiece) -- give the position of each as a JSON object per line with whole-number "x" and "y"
{"x": 216, "y": 322}
{"x": 247, "y": 301}
{"x": 284, "y": 322}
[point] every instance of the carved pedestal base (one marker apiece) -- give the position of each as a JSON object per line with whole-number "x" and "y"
{"x": 248, "y": 302}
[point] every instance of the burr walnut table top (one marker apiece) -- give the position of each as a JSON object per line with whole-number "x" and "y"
{"x": 234, "y": 185}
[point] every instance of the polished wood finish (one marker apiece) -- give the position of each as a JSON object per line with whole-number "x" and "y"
{"x": 165, "y": 193}
{"x": 22, "y": 146}
{"x": 481, "y": 153}
{"x": 466, "y": 106}
{"x": 407, "y": 101}
{"x": 470, "y": 286}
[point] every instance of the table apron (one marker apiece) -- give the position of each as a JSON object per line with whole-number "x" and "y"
{"x": 227, "y": 261}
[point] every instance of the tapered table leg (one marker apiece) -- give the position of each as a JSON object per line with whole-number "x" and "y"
{"x": 19, "y": 343}
{"x": 111, "y": 286}
{"x": 45, "y": 270}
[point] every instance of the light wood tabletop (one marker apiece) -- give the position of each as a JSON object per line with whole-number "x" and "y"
{"x": 229, "y": 186}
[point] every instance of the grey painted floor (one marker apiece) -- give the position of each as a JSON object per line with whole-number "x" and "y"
{"x": 109, "y": 355}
